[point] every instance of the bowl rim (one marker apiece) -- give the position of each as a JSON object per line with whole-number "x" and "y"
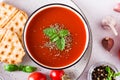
{"x": 82, "y": 17}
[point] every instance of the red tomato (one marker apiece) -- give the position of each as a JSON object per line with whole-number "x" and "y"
{"x": 56, "y": 74}
{"x": 37, "y": 76}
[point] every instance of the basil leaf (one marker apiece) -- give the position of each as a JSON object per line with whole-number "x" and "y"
{"x": 20, "y": 67}
{"x": 54, "y": 37}
{"x": 63, "y": 33}
{"x": 60, "y": 43}
{"x": 57, "y": 36}
{"x": 29, "y": 69}
{"x": 11, "y": 67}
{"x": 49, "y": 31}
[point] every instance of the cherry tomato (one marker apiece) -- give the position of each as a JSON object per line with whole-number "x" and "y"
{"x": 56, "y": 74}
{"x": 37, "y": 76}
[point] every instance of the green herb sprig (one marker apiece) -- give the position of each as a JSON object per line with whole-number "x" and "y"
{"x": 27, "y": 68}
{"x": 12, "y": 67}
{"x": 57, "y": 36}
{"x": 111, "y": 74}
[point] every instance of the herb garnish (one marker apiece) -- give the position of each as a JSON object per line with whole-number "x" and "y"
{"x": 57, "y": 36}
{"x": 111, "y": 74}
{"x": 12, "y": 67}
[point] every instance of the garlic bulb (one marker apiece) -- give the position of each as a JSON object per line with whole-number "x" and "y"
{"x": 109, "y": 23}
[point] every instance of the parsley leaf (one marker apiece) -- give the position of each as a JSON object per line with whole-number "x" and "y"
{"x": 108, "y": 69}
{"x": 60, "y": 43}
{"x": 116, "y": 74}
{"x": 110, "y": 73}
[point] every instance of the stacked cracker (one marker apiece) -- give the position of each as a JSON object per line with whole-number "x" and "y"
{"x": 12, "y": 22}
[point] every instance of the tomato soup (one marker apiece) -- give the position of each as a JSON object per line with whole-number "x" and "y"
{"x": 35, "y": 37}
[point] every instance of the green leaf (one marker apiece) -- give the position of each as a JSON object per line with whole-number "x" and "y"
{"x": 60, "y": 43}
{"x": 11, "y": 67}
{"x": 110, "y": 73}
{"x": 20, "y": 67}
{"x": 116, "y": 74}
{"x": 54, "y": 37}
{"x": 63, "y": 33}
{"x": 29, "y": 69}
{"x": 109, "y": 78}
{"x": 49, "y": 31}
{"x": 57, "y": 36}
{"x": 107, "y": 68}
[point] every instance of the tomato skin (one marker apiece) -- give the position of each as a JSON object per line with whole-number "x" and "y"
{"x": 56, "y": 74}
{"x": 37, "y": 76}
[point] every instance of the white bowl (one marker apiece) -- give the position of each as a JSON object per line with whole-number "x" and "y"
{"x": 63, "y": 6}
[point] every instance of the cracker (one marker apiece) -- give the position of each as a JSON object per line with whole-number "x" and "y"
{"x": 6, "y": 13}
{"x": 12, "y": 18}
{"x": 17, "y": 23}
{"x": 2, "y": 33}
{"x": 12, "y": 22}
{"x": 25, "y": 15}
{"x": 11, "y": 50}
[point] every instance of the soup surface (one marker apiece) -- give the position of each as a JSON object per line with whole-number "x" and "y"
{"x": 36, "y": 39}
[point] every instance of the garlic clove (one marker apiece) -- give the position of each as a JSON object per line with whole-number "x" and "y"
{"x": 109, "y": 23}
{"x": 114, "y": 30}
{"x": 65, "y": 77}
{"x": 105, "y": 24}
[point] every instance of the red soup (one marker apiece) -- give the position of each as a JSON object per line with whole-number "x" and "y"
{"x": 35, "y": 38}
